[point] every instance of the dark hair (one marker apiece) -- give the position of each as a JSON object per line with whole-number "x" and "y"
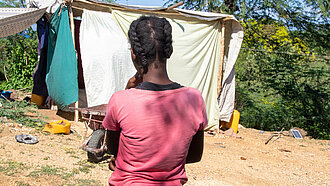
{"x": 150, "y": 36}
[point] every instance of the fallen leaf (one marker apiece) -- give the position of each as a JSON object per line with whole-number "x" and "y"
{"x": 243, "y": 158}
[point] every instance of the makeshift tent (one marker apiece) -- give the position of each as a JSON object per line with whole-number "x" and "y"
{"x": 206, "y": 46}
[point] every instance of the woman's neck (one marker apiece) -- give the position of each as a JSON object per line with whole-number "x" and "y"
{"x": 157, "y": 74}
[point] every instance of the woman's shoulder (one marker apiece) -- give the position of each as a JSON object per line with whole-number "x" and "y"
{"x": 193, "y": 91}
{"x": 119, "y": 94}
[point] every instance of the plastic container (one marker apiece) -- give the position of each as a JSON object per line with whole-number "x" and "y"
{"x": 38, "y": 100}
{"x": 233, "y": 123}
{"x": 58, "y": 127}
{"x": 5, "y": 94}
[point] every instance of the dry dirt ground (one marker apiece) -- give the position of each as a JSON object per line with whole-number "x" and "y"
{"x": 59, "y": 160}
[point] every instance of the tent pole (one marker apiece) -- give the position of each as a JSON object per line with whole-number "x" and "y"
{"x": 174, "y": 6}
{"x": 76, "y": 104}
{"x": 222, "y": 56}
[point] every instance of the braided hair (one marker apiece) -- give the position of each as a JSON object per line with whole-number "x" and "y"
{"x": 150, "y": 37}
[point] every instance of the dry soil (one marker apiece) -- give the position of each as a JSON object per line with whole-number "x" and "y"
{"x": 59, "y": 159}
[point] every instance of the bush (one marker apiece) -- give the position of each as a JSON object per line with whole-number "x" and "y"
{"x": 18, "y": 60}
{"x": 280, "y": 83}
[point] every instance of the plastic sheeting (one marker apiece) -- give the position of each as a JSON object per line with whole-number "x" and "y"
{"x": 105, "y": 55}
{"x": 62, "y": 73}
{"x": 234, "y": 37}
{"x": 15, "y": 20}
{"x": 196, "y": 55}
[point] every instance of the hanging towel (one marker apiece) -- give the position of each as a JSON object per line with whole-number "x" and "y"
{"x": 62, "y": 74}
{"x": 105, "y": 56}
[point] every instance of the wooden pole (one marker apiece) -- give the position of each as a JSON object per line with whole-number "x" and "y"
{"x": 174, "y": 6}
{"x": 76, "y": 104}
{"x": 222, "y": 56}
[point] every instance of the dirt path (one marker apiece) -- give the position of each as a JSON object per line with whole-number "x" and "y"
{"x": 59, "y": 160}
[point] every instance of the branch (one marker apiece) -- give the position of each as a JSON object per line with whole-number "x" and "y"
{"x": 4, "y": 72}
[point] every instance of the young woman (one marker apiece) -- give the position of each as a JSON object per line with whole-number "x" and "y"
{"x": 157, "y": 121}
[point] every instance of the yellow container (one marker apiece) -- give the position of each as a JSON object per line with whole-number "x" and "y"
{"x": 58, "y": 127}
{"x": 38, "y": 100}
{"x": 233, "y": 123}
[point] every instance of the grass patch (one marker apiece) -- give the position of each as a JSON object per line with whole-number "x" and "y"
{"x": 70, "y": 151}
{"x": 84, "y": 166}
{"x": 21, "y": 183}
{"x": 105, "y": 164}
{"x": 10, "y": 168}
{"x": 46, "y": 158}
{"x": 22, "y": 112}
{"x": 87, "y": 182}
{"x": 67, "y": 175}
{"x": 74, "y": 156}
{"x": 54, "y": 171}
{"x": 44, "y": 170}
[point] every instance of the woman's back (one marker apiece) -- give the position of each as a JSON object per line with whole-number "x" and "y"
{"x": 156, "y": 131}
{"x": 159, "y": 121}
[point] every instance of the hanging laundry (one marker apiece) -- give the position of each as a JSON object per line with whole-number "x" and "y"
{"x": 62, "y": 73}
{"x": 106, "y": 58}
{"x": 39, "y": 75}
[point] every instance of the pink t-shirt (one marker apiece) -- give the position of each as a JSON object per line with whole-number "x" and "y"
{"x": 156, "y": 131}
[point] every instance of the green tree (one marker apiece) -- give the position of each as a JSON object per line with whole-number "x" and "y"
{"x": 18, "y": 56}
{"x": 282, "y": 70}
{"x": 282, "y": 84}
{"x": 18, "y": 60}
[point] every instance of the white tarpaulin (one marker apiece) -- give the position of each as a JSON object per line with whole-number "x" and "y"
{"x": 15, "y": 20}
{"x": 196, "y": 55}
{"x": 105, "y": 55}
{"x": 194, "y": 62}
{"x": 227, "y": 94}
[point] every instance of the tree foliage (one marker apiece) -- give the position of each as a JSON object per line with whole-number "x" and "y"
{"x": 18, "y": 55}
{"x": 282, "y": 72}
{"x": 18, "y": 60}
{"x": 282, "y": 84}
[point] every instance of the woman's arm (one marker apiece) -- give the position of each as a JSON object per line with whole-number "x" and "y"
{"x": 112, "y": 145}
{"x": 196, "y": 148}
{"x": 113, "y": 142}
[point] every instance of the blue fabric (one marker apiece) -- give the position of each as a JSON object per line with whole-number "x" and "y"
{"x": 62, "y": 73}
{"x": 39, "y": 75}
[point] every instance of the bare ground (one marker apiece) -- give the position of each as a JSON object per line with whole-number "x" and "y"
{"x": 59, "y": 160}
